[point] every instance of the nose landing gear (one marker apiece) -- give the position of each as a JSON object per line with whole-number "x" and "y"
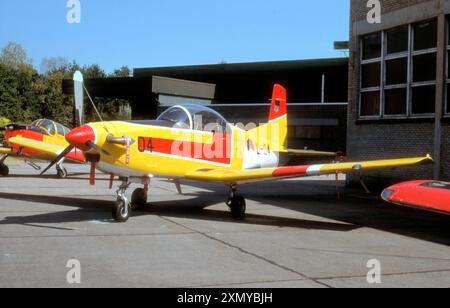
{"x": 121, "y": 210}
{"x": 61, "y": 172}
{"x": 123, "y": 207}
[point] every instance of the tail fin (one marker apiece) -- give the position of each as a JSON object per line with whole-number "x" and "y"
{"x": 79, "y": 98}
{"x": 273, "y": 135}
{"x": 278, "y": 107}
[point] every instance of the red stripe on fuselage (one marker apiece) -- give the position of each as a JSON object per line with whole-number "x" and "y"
{"x": 217, "y": 152}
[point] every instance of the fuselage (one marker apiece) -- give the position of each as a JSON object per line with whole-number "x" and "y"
{"x": 158, "y": 149}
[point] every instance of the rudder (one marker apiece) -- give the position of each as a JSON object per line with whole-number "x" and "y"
{"x": 273, "y": 135}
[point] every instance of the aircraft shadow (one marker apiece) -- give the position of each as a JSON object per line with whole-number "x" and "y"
{"x": 88, "y": 209}
{"x": 319, "y": 198}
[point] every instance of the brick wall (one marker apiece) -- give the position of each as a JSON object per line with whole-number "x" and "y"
{"x": 445, "y": 165}
{"x": 359, "y": 8}
{"x": 379, "y": 140}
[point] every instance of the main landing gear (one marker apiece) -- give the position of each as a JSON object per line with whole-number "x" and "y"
{"x": 236, "y": 204}
{"x": 4, "y": 170}
{"x": 123, "y": 207}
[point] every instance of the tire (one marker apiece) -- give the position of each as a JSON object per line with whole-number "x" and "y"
{"x": 138, "y": 199}
{"x": 62, "y": 173}
{"x": 4, "y": 170}
{"x": 118, "y": 212}
{"x": 238, "y": 207}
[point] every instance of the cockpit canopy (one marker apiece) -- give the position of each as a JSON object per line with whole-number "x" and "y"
{"x": 195, "y": 117}
{"x": 50, "y": 127}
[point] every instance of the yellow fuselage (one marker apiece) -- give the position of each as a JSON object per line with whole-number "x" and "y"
{"x": 171, "y": 152}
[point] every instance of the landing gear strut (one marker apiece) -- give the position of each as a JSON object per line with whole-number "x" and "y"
{"x": 121, "y": 211}
{"x": 4, "y": 170}
{"x": 236, "y": 204}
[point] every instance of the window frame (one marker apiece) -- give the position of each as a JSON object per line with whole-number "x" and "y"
{"x": 409, "y": 85}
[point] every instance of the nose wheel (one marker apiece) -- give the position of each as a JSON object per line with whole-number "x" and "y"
{"x": 236, "y": 204}
{"x": 61, "y": 172}
{"x": 121, "y": 210}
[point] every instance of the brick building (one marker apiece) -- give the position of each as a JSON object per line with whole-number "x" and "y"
{"x": 398, "y": 86}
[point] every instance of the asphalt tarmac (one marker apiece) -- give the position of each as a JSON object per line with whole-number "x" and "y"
{"x": 296, "y": 234}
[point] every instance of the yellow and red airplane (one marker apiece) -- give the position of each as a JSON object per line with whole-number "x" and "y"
{"x": 196, "y": 143}
{"x": 42, "y": 140}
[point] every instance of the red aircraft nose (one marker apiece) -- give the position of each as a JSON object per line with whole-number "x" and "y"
{"x": 80, "y": 136}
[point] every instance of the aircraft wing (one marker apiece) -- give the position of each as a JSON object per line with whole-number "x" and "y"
{"x": 45, "y": 147}
{"x": 256, "y": 175}
{"x": 310, "y": 153}
{"x": 37, "y": 145}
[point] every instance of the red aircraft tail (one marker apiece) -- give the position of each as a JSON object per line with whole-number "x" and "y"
{"x": 278, "y": 108}
{"x": 274, "y": 134}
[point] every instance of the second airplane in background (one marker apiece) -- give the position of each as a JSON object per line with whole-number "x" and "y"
{"x": 42, "y": 140}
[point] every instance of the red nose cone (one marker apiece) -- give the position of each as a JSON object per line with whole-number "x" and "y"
{"x": 80, "y": 136}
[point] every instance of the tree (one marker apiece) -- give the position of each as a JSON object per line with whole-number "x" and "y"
{"x": 124, "y": 71}
{"x": 26, "y": 95}
{"x": 13, "y": 55}
{"x": 17, "y": 97}
{"x": 51, "y": 64}
{"x": 93, "y": 71}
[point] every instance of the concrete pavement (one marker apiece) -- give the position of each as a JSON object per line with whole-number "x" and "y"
{"x": 296, "y": 234}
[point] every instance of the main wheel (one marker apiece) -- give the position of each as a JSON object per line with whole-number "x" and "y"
{"x": 138, "y": 198}
{"x": 4, "y": 170}
{"x": 61, "y": 172}
{"x": 238, "y": 207}
{"x": 119, "y": 212}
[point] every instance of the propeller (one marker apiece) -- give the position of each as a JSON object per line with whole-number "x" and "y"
{"x": 81, "y": 137}
{"x": 58, "y": 158}
{"x": 97, "y": 148}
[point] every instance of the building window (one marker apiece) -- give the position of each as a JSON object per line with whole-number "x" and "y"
{"x": 371, "y": 46}
{"x": 398, "y": 72}
{"x": 311, "y": 132}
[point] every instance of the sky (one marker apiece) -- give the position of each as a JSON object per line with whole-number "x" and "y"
{"x": 150, "y": 33}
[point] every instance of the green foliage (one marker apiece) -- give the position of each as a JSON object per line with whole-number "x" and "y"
{"x": 4, "y": 122}
{"x": 14, "y": 56}
{"x": 26, "y": 95}
{"x": 124, "y": 71}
